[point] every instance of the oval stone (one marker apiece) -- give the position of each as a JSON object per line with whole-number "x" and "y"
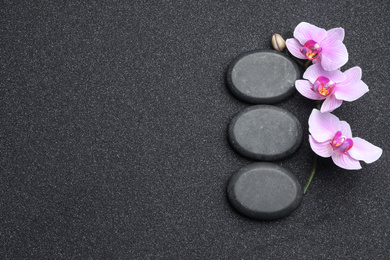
{"x": 265, "y": 133}
{"x": 264, "y": 191}
{"x": 262, "y": 76}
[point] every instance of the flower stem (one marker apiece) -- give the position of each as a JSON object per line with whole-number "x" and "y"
{"x": 307, "y": 64}
{"x": 300, "y": 63}
{"x": 312, "y": 172}
{"x": 319, "y": 103}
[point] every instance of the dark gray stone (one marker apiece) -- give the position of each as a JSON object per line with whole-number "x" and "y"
{"x": 264, "y": 191}
{"x": 262, "y": 76}
{"x": 265, "y": 132}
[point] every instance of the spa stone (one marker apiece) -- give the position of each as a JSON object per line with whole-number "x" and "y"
{"x": 264, "y": 191}
{"x": 262, "y": 76}
{"x": 265, "y": 133}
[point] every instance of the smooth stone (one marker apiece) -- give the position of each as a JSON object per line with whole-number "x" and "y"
{"x": 264, "y": 191}
{"x": 262, "y": 76}
{"x": 265, "y": 133}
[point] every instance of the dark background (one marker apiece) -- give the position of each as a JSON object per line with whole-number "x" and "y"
{"x": 113, "y": 136}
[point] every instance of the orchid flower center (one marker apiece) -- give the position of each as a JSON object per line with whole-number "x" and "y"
{"x": 323, "y": 86}
{"x": 311, "y": 50}
{"x": 340, "y": 143}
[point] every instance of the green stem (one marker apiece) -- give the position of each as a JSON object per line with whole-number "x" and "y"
{"x": 319, "y": 104}
{"x": 314, "y": 162}
{"x": 312, "y": 172}
{"x": 300, "y": 63}
{"x": 307, "y": 64}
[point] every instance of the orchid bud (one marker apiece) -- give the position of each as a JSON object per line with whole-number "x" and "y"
{"x": 278, "y": 43}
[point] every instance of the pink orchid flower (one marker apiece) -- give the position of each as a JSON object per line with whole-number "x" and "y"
{"x": 333, "y": 86}
{"x": 331, "y": 137}
{"x": 319, "y": 45}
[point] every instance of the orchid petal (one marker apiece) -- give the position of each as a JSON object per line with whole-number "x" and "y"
{"x": 334, "y": 56}
{"x": 352, "y": 75}
{"x": 315, "y": 71}
{"x": 345, "y": 161}
{"x": 351, "y": 92}
{"x": 345, "y": 129}
{"x": 333, "y": 35}
{"x": 330, "y": 104}
{"x": 304, "y": 87}
{"x": 306, "y": 31}
{"x": 352, "y": 87}
{"x": 323, "y": 149}
{"x": 323, "y": 126}
{"x": 294, "y": 47}
{"x": 365, "y": 151}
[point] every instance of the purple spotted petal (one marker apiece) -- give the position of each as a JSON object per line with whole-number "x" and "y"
{"x": 334, "y": 56}
{"x": 323, "y": 126}
{"x": 365, "y": 151}
{"x": 306, "y": 31}
{"x": 345, "y": 129}
{"x": 294, "y": 47}
{"x": 304, "y": 87}
{"x": 316, "y": 70}
{"x": 330, "y": 104}
{"x": 352, "y": 87}
{"x": 345, "y": 161}
{"x": 323, "y": 149}
{"x": 333, "y": 35}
